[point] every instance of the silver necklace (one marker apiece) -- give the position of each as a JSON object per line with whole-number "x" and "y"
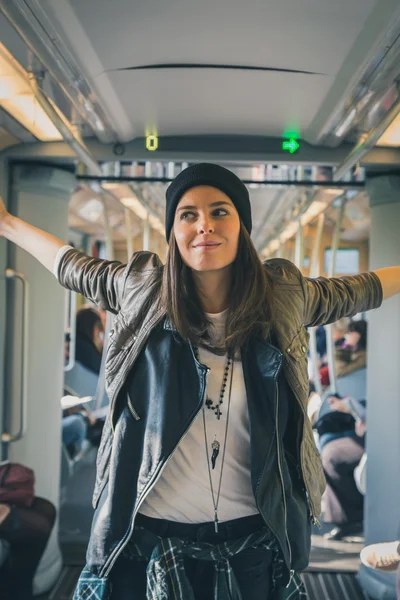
{"x": 215, "y": 446}
{"x": 216, "y": 501}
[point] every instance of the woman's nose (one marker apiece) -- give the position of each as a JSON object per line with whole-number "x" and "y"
{"x": 206, "y": 226}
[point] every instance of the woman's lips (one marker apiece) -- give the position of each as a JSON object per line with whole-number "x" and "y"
{"x": 207, "y": 245}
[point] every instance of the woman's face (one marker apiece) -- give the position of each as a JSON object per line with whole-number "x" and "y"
{"x": 98, "y": 336}
{"x": 206, "y": 229}
{"x": 352, "y": 338}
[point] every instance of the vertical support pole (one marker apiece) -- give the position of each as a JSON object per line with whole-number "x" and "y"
{"x": 299, "y": 247}
{"x": 146, "y": 234}
{"x": 128, "y": 227}
{"x": 108, "y": 233}
{"x": 314, "y": 272}
{"x": 329, "y": 331}
{"x": 109, "y": 317}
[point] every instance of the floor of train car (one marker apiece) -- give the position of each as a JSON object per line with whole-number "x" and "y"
{"x": 331, "y": 574}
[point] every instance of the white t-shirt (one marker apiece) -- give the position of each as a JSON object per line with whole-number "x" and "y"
{"x": 183, "y": 493}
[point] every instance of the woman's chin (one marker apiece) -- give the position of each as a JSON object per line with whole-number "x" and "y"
{"x": 209, "y": 265}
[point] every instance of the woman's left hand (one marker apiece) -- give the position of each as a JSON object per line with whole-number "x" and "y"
{"x": 338, "y": 404}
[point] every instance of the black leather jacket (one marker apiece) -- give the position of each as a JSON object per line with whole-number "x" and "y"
{"x": 142, "y": 432}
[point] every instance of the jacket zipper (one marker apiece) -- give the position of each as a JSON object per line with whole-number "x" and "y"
{"x": 282, "y": 482}
{"x": 149, "y": 487}
{"x": 314, "y": 519}
{"x": 139, "y": 344}
{"x": 131, "y": 408}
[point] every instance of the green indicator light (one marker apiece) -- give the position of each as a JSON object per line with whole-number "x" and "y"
{"x": 151, "y": 143}
{"x": 291, "y": 132}
{"x": 291, "y": 146}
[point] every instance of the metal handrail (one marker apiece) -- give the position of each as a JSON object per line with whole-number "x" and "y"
{"x": 109, "y": 318}
{"x": 314, "y": 272}
{"x": 329, "y": 328}
{"x": 368, "y": 142}
{"x": 72, "y": 327}
{"x": 129, "y": 238}
{"x": 7, "y": 438}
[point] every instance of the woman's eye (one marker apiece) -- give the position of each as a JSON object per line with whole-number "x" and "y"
{"x": 186, "y": 215}
{"x": 220, "y": 212}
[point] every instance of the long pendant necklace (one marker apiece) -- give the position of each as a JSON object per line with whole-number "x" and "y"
{"x": 215, "y": 446}
{"x": 216, "y": 501}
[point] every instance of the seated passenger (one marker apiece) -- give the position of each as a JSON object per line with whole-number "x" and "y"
{"x": 89, "y": 338}
{"x": 383, "y": 557}
{"x": 344, "y": 504}
{"x": 78, "y": 425}
{"x": 74, "y": 433}
{"x": 27, "y": 531}
{"x": 351, "y": 355}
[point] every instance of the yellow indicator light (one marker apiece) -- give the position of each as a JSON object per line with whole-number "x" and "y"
{"x": 151, "y": 143}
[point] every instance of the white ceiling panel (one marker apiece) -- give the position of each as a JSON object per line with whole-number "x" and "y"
{"x": 318, "y": 36}
{"x": 313, "y": 35}
{"x": 210, "y": 101}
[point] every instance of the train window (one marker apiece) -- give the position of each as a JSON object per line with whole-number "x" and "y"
{"x": 347, "y": 260}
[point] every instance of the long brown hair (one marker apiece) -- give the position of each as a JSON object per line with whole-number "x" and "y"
{"x": 250, "y": 298}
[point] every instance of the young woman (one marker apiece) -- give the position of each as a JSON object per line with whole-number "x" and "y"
{"x": 207, "y": 476}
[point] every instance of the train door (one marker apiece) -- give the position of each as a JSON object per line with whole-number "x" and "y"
{"x": 33, "y": 365}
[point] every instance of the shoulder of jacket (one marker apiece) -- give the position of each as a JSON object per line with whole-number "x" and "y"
{"x": 283, "y": 271}
{"x": 144, "y": 262}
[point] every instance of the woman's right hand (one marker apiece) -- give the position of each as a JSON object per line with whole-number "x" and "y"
{"x": 41, "y": 245}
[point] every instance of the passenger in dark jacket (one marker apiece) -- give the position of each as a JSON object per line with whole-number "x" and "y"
{"x": 27, "y": 531}
{"x": 344, "y": 503}
{"x": 89, "y": 338}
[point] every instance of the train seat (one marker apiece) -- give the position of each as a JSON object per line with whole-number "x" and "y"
{"x": 354, "y": 385}
{"x": 81, "y": 382}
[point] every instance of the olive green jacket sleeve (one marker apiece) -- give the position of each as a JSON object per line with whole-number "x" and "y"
{"x": 327, "y": 300}
{"x": 100, "y": 281}
{"x": 107, "y": 283}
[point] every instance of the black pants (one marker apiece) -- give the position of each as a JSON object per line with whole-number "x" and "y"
{"x": 344, "y": 503}
{"x": 252, "y": 567}
{"x": 27, "y": 530}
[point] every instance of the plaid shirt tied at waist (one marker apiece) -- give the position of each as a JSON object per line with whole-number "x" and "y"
{"x": 166, "y": 576}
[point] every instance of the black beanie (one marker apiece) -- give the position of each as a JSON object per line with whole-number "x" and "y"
{"x": 215, "y": 176}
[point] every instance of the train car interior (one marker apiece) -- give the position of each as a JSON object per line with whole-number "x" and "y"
{"x": 102, "y": 105}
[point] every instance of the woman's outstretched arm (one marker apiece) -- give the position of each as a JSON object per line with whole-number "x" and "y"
{"x": 98, "y": 280}
{"x": 41, "y": 245}
{"x": 390, "y": 280}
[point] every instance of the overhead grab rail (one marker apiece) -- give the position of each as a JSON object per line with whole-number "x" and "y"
{"x": 8, "y": 438}
{"x": 368, "y": 142}
{"x": 31, "y": 22}
{"x": 64, "y": 127}
{"x": 72, "y": 328}
{"x": 330, "y": 346}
